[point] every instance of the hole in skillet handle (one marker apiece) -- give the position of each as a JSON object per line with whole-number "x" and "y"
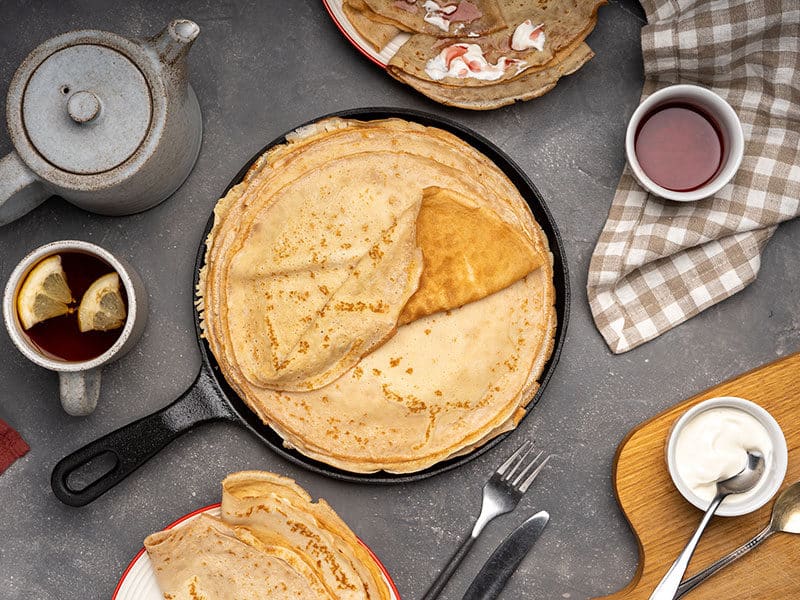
{"x": 75, "y": 480}
{"x": 95, "y": 468}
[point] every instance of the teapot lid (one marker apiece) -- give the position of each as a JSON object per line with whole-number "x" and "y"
{"x": 86, "y": 108}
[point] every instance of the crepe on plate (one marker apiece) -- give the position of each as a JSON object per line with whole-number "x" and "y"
{"x": 539, "y": 42}
{"x": 270, "y": 542}
{"x": 290, "y": 279}
{"x": 463, "y": 18}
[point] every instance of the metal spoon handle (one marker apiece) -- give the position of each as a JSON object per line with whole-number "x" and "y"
{"x": 669, "y": 584}
{"x": 691, "y": 583}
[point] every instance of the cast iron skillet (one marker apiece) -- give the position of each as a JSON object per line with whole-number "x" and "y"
{"x": 210, "y": 398}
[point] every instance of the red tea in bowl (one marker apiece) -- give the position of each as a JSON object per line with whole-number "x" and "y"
{"x": 680, "y": 147}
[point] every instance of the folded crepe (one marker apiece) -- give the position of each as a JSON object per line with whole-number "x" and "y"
{"x": 530, "y": 84}
{"x": 563, "y": 27}
{"x": 278, "y": 512}
{"x": 468, "y": 253}
{"x": 207, "y": 559}
{"x": 466, "y": 363}
{"x": 321, "y": 276}
{"x": 376, "y": 33}
{"x": 271, "y": 542}
{"x": 484, "y": 68}
{"x": 442, "y": 18}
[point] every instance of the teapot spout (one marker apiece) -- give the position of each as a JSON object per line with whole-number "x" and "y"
{"x": 173, "y": 42}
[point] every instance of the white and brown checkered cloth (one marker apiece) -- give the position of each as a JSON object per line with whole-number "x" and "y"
{"x": 658, "y": 263}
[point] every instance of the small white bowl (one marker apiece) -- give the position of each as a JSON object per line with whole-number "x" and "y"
{"x": 773, "y": 476}
{"x": 721, "y": 111}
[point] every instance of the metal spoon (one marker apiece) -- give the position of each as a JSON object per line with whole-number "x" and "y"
{"x": 744, "y": 481}
{"x": 785, "y": 518}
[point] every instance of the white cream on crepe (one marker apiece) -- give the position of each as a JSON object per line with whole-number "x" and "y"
{"x": 461, "y": 61}
{"x": 526, "y": 36}
{"x": 437, "y": 15}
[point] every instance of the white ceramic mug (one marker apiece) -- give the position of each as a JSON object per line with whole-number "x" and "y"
{"x": 79, "y": 382}
{"x": 716, "y": 107}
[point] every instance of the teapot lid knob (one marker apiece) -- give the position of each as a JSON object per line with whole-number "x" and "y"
{"x": 83, "y": 106}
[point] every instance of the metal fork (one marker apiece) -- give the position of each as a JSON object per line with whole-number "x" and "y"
{"x": 501, "y": 494}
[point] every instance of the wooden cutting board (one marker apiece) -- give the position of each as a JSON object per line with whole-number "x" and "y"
{"x": 663, "y": 521}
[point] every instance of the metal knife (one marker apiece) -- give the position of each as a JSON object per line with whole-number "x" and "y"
{"x": 506, "y": 558}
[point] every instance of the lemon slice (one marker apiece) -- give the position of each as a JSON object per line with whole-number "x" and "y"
{"x": 44, "y": 294}
{"x": 102, "y": 307}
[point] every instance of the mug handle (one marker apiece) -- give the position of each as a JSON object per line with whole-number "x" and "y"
{"x": 20, "y": 189}
{"x": 79, "y": 391}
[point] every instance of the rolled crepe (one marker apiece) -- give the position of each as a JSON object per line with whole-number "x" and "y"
{"x": 206, "y": 559}
{"x": 272, "y": 542}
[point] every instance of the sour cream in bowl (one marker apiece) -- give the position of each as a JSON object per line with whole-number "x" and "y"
{"x": 709, "y": 443}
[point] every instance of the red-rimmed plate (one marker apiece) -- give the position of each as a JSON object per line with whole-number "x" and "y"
{"x": 381, "y": 58}
{"x": 138, "y": 582}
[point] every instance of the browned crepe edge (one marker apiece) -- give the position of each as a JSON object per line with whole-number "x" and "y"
{"x": 435, "y": 281}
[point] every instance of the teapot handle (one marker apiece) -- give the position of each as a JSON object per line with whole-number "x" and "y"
{"x": 20, "y": 189}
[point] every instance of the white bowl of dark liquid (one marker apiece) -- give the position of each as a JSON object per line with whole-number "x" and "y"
{"x": 684, "y": 143}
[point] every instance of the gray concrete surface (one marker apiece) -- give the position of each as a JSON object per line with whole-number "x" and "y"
{"x": 259, "y": 69}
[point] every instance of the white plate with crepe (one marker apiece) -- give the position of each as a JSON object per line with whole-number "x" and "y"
{"x": 138, "y": 582}
{"x": 473, "y": 54}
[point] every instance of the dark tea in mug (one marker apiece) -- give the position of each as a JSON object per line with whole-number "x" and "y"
{"x": 60, "y": 337}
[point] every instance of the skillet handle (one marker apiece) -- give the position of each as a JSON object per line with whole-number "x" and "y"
{"x": 132, "y": 445}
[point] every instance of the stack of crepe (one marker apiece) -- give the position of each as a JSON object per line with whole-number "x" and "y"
{"x": 518, "y": 49}
{"x": 379, "y": 294}
{"x": 270, "y": 542}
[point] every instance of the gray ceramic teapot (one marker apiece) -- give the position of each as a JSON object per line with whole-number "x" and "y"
{"x": 108, "y": 123}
